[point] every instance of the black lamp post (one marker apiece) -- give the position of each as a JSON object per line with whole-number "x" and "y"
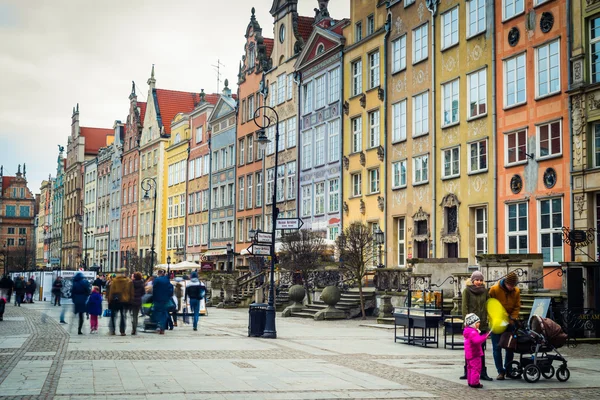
{"x": 378, "y": 237}
{"x": 86, "y": 234}
{"x": 147, "y": 185}
{"x": 169, "y": 266}
{"x": 262, "y": 140}
{"x": 6, "y": 247}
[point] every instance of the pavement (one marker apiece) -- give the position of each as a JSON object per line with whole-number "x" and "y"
{"x": 344, "y": 359}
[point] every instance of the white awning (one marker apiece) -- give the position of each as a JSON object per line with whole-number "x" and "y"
{"x": 218, "y": 252}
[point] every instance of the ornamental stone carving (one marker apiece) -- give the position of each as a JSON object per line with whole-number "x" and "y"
{"x": 346, "y": 107}
{"x": 546, "y": 22}
{"x": 362, "y": 206}
{"x": 363, "y": 100}
{"x": 578, "y": 114}
{"x": 380, "y": 93}
{"x": 594, "y": 104}
{"x": 346, "y": 162}
{"x": 363, "y": 158}
{"x": 345, "y": 207}
{"x": 380, "y": 153}
{"x": 380, "y": 203}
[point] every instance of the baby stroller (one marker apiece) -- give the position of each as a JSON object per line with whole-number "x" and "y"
{"x": 537, "y": 345}
{"x": 149, "y": 323}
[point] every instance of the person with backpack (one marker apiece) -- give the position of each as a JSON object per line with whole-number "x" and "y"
{"x": 120, "y": 296}
{"x": 195, "y": 291}
{"x": 19, "y": 290}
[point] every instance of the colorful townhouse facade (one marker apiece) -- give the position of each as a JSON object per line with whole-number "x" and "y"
{"x": 102, "y": 234}
{"x": 255, "y": 61}
{"x": 320, "y": 139}
{"x": 534, "y": 130}
{"x": 43, "y": 224}
{"x": 364, "y": 168}
{"x": 90, "y": 213}
{"x": 58, "y": 196}
{"x": 117, "y": 169}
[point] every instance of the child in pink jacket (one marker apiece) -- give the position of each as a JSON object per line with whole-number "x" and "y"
{"x": 473, "y": 350}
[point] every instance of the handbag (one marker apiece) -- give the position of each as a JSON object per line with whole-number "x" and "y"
{"x": 508, "y": 341}
{"x": 106, "y": 313}
{"x": 172, "y": 306}
{"x": 186, "y": 316}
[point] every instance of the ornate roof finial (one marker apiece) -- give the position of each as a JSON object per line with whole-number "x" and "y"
{"x": 77, "y": 109}
{"x": 152, "y": 80}
{"x": 253, "y": 11}
{"x": 133, "y": 88}
{"x": 202, "y": 96}
{"x": 24, "y": 170}
{"x": 226, "y": 84}
{"x": 19, "y": 170}
{"x": 152, "y": 74}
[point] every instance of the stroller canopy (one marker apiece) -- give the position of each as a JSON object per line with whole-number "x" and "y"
{"x": 549, "y": 329}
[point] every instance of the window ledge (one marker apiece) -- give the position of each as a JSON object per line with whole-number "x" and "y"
{"x": 374, "y": 193}
{"x": 372, "y": 148}
{"x": 447, "y": 178}
{"x": 420, "y": 61}
{"x": 515, "y": 164}
{"x": 354, "y": 96}
{"x": 475, "y": 35}
{"x": 477, "y": 116}
{"x": 450, "y": 125}
{"x": 399, "y": 187}
{"x": 513, "y": 17}
{"x": 421, "y": 183}
{"x": 550, "y": 157}
{"x": 481, "y": 171}
{"x": 399, "y": 71}
{"x": 538, "y": 98}
{"x": 399, "y": 141}
{"x": 506, "y": 108}
{"x": 420, "y": 135}
{"x": 449, "y": 47}
{"x": 539, "y": 4}
{"x": 373, "y": 88}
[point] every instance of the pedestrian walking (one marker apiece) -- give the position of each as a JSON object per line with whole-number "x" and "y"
{"x": 120, "y": 295}
{"x": 509, "y": 295}
{"x": 148, "y": 285}
{"x": 57, "y": 290}
{"x": 195, "y": 291}
{"x": 136, "y": 303}
{"x": 80, "y": 292}
{"x": 6, "y": 287}
{"x": 98, "y": 282}
{"x": 178, "y": 295}
{"x": 19, "y": 290}
{"x": 94, "y": 308}
{"x": 162, "y": 291}
{"x": 474, "y": 298}
{"x": 32, "y": 289}
{"x": 2, "y": 307}
{"x": 473, "y": 350}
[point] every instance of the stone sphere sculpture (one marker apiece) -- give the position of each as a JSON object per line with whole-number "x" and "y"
{"x": 296, "y": 293}
{"x": 331, "y": 295}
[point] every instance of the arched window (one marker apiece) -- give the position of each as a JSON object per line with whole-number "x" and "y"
{"x": 320, "y": 48}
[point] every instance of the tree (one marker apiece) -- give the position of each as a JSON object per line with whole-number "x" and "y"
{"x": 356, "y": 248}
{"x": 302, "y": 251}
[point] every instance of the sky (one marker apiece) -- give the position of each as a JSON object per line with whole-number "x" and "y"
{"x": 55, "y": 54}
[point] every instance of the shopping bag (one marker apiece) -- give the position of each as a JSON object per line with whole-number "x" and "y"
{"x": 186, "y": 316}
{"x": 508, "y": 341}
{"x": 107, "y": 313}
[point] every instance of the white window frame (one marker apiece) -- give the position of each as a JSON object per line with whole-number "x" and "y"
{"x": 514, "y": 11}
{"x": 319, "y": 198}
{"x": 333, "y": 203}
{"x": 520, "y": 153}
{"x": 306, "y": 200}
{"x": 420, "y": 114}
{"x": 308, "y": 97}
{"x": 420, "y": 169}
{"x": 401, "y": 226}
{"x": 356, "y": 181}
{"x": 594, "y": 77}
{"x": 399, "y": 121}
{"x": 477, "y": 93}
{"x": 539, "y": 140}
{"x": 307, "y": 149}
{"x": 356, "y": 71}
{"x": 454, "y": 162}
{"x": 291, "y": 132}
{"x": 374, "y": 181}
{"x": 399, "y": 174}
{"x": 555, "y": 232}
{"x": 476, "y": 17}
{"x": 249, "y": 194}
{"x": 518, "y": 232}
{"x": 259, "y": 189}
{"x": 319, "y": 145}
{"x": 374, "y": 131}
{"x": 370, "y": 24}
{"x": 399, "y": 54}
{"x": 514, "y": 73}
{"x": 356, "y": 127}
{"x": 545, "y": 89}
{"x": 450, "y": 28}
{"x": 281, "y": 88}
{"x": 450, "y": 95}
{"x": 291, "y": 180}
{"x": 483, "y": 234}
{"x": 420, "y": 43}
{"x": 334, "y": 85}
{"x": 408, "y": 3}
{"x": 320, "y": 91}
{"x": 374, "y": 75}
{"x": 333, "y": 135}
{"x": 199, "y": 134}
{"x": 476, "y": 169}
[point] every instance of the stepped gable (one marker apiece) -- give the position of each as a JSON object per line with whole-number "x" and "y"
{"x": 95, "y": 138}
{"x": 269, "y": 46}
{"x": 169, "y": 103}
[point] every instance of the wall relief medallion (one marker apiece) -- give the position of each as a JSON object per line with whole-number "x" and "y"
{"x": 345, "y": 207}
{"x": 546, "y": 22}
{"x": 449, "y": 63}
{"x": 346, "y": 107}
{"x": 516, "y": 184}
{"x": 593, "y": 103}
{"x": 580, "y": 204}
{"x": 398, "y": 197}
{"x": 513, "y": 36}
{"x": 421, "y": 11}
{"x": 419, "y": 77}
{"x": 399, "y": 85}
{"x": 399, "y": 25}
{"x": 363, "y": 100}
{"x": 577, "y": 71}
{"x": 477, "y": 184}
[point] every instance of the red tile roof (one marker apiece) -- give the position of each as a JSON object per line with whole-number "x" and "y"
{"x": 169, "y": 103}
{"x": 269, "y": 46}
{"x": 305, "y": 27}
{"x": 95, "y": 138}
{"x": 212, "y": 98}
{"x": 142, "y": 106}
{"x": 6, "y": 182}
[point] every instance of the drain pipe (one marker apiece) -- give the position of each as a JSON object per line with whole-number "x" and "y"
{"x": 494, "y": 124}
{"x": 432, "y": 7}
{"x": 386, "y": 39}
{"x": 570, "y": 83}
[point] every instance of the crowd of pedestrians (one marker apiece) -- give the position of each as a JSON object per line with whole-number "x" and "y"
{"x": 22, "y": 289}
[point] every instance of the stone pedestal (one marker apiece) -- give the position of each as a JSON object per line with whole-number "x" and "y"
{"x": 296, "y": 295}
{"x": 331, "y": 296}
{"x": 386, "y": 310}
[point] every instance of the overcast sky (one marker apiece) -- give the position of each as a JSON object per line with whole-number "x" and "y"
{"x": 54, "y": 54}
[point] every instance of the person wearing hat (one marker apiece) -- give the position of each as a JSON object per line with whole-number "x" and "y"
{"x": 474, "y": 339}
{"x": 509, "y": 295}
{"x": 120, "y": 295}
{"x": 474, "y": 298}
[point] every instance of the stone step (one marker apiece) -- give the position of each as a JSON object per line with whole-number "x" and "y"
{"x": 302, "y": 314}
{"x": 315, "y": 306}
{"x": 385, "y": 321}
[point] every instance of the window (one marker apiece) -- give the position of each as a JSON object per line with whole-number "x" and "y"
{"x": 281, "y": 82}
{"x": 551, "y": 223}
{"x": 408, "y": 3}
{"x": 356, "y": 77}
{"x": 334, "y": 85}
{"x": 205, "y": 199}
{"x": 374, "y": 129}
{"x": 215, "y": 160}
{"x": 308, "y": 97}
{"x": 420, "y": 47}
{"x": 475, "y": 17}
{"x": 319, "y": 198}
{"x": 373, "y": 70}
{"x": 420, "y": 114}
{"x": 249, "y": 191}
{"x": 477, "y": 94}
{"x": 169, "y": 238}
{"x": 22, "y": 231}
{"x": 516, "y": 147}
{"x": 320, "y": 145}
{"x": 450, "y": 95}
{"x": 513, "y": 7}
{"x": 271, "y": 135}
{"x": 517, "y": 228}
{"x": 250, "y": 141}
{"x": 334, "y": 195}
{"x": 291, "y": 180}
{"x": 307, "y": 149}
{"x": 280, "y": 182}
{"x": 358, "y": 31}
{"x": 320, "y": 92}
{"x": 242, "y": 197}
{"x": 399, "y": 174}
{"x": 374, "y": 181}
{"x": 270, "y": 179}
{"x": 399, "y": 54}
{"x": 450, "y": 28}
{"x": 595, "y": 49}
{"x": 333, "y": 232}
{"x": 241, "y": 148}
{"x": 291, "y": 132}
{"x": 401, "y": 241}
{"x": 451, "y": 160}
{"x": 191, "y": 170}
{"x": 306, "y": 201}
{"x": 240, "y": 230}
{"x": 199, "y": 203}
{"x": 11, "y": 231}
{"x": 356, "y": 134}
{"x": 548, "y": 68}
{"x": 420, "y": 169}
{"x": 24, "y": 211}
{"x": 290, "y": 86}
{"x": 272, "y": 94}
{"x": 514, "y": 81}
{"x": 259, "y": 188}
{"x": 191, "y": 204}
{"x": 399, "y": 121}
{"x": 356, "y": 184}
{"x": 250, "y": 107}
{"x": 549, "y": 140}
{"x": 282, "y": 135}
{"x": 481, "y": 244}
{"x": 333, "y": 133}
{"x": 370, "y": 24}
{"x": 478, "y": 156}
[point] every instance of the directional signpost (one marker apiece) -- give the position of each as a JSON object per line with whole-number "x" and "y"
{"x": 260, "y": 249}
{"x": 289, "y": 223}
{"x": 264, "y": 237}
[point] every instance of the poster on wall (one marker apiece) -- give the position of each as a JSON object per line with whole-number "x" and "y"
{"x": 68, "y": 281}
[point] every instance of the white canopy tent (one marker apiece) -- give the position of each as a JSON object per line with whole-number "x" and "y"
{"x": 182, "y": 266}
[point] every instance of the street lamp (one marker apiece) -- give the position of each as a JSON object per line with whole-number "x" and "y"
{"x": 378, "y": 237}
{"x": 262, "y": 140}
{"x": 169, "y": 266}
{"x": 147, "y": 185}
{"x": 229, "y": 256}
{"x": 86, "y": 234}
{"x": 6, "y": 247}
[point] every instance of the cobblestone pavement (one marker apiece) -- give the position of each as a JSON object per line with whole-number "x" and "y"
{"x": 42, "y": 359}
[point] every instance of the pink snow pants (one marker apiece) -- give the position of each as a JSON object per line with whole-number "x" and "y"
{"x": 473, "y": 371}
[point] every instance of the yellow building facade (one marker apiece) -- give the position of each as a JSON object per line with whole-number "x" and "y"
{"x": 463, "y": 146}
{"x": 176, "y": 156}
{"x": 364, "y": 185}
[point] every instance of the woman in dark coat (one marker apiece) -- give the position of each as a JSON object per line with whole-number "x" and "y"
{"x": 80, "y": 293}
{"x": 136, "y": 303}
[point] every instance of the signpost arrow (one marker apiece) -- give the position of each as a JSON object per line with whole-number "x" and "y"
{"x": 289, "y": 223}
{"x": 264, "y": 237}
{"x": 259, "y": 250}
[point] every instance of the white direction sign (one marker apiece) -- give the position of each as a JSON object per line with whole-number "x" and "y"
{"x": 289, "y": 223}
{"x": 264, "y": 237}
{"x": 260, "y": 250}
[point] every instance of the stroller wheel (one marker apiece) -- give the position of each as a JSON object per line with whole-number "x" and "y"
{"x": 548, "y": 373}
{"x": 563, "y": 374}
{"x": 514, "y": 370}
{"x": 532, "y": 373}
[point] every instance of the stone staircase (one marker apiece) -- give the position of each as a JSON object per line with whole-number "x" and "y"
{"x": 527, "y": 300}
{"x": 246, "y": 288}
{"x": 349, "y": 303}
